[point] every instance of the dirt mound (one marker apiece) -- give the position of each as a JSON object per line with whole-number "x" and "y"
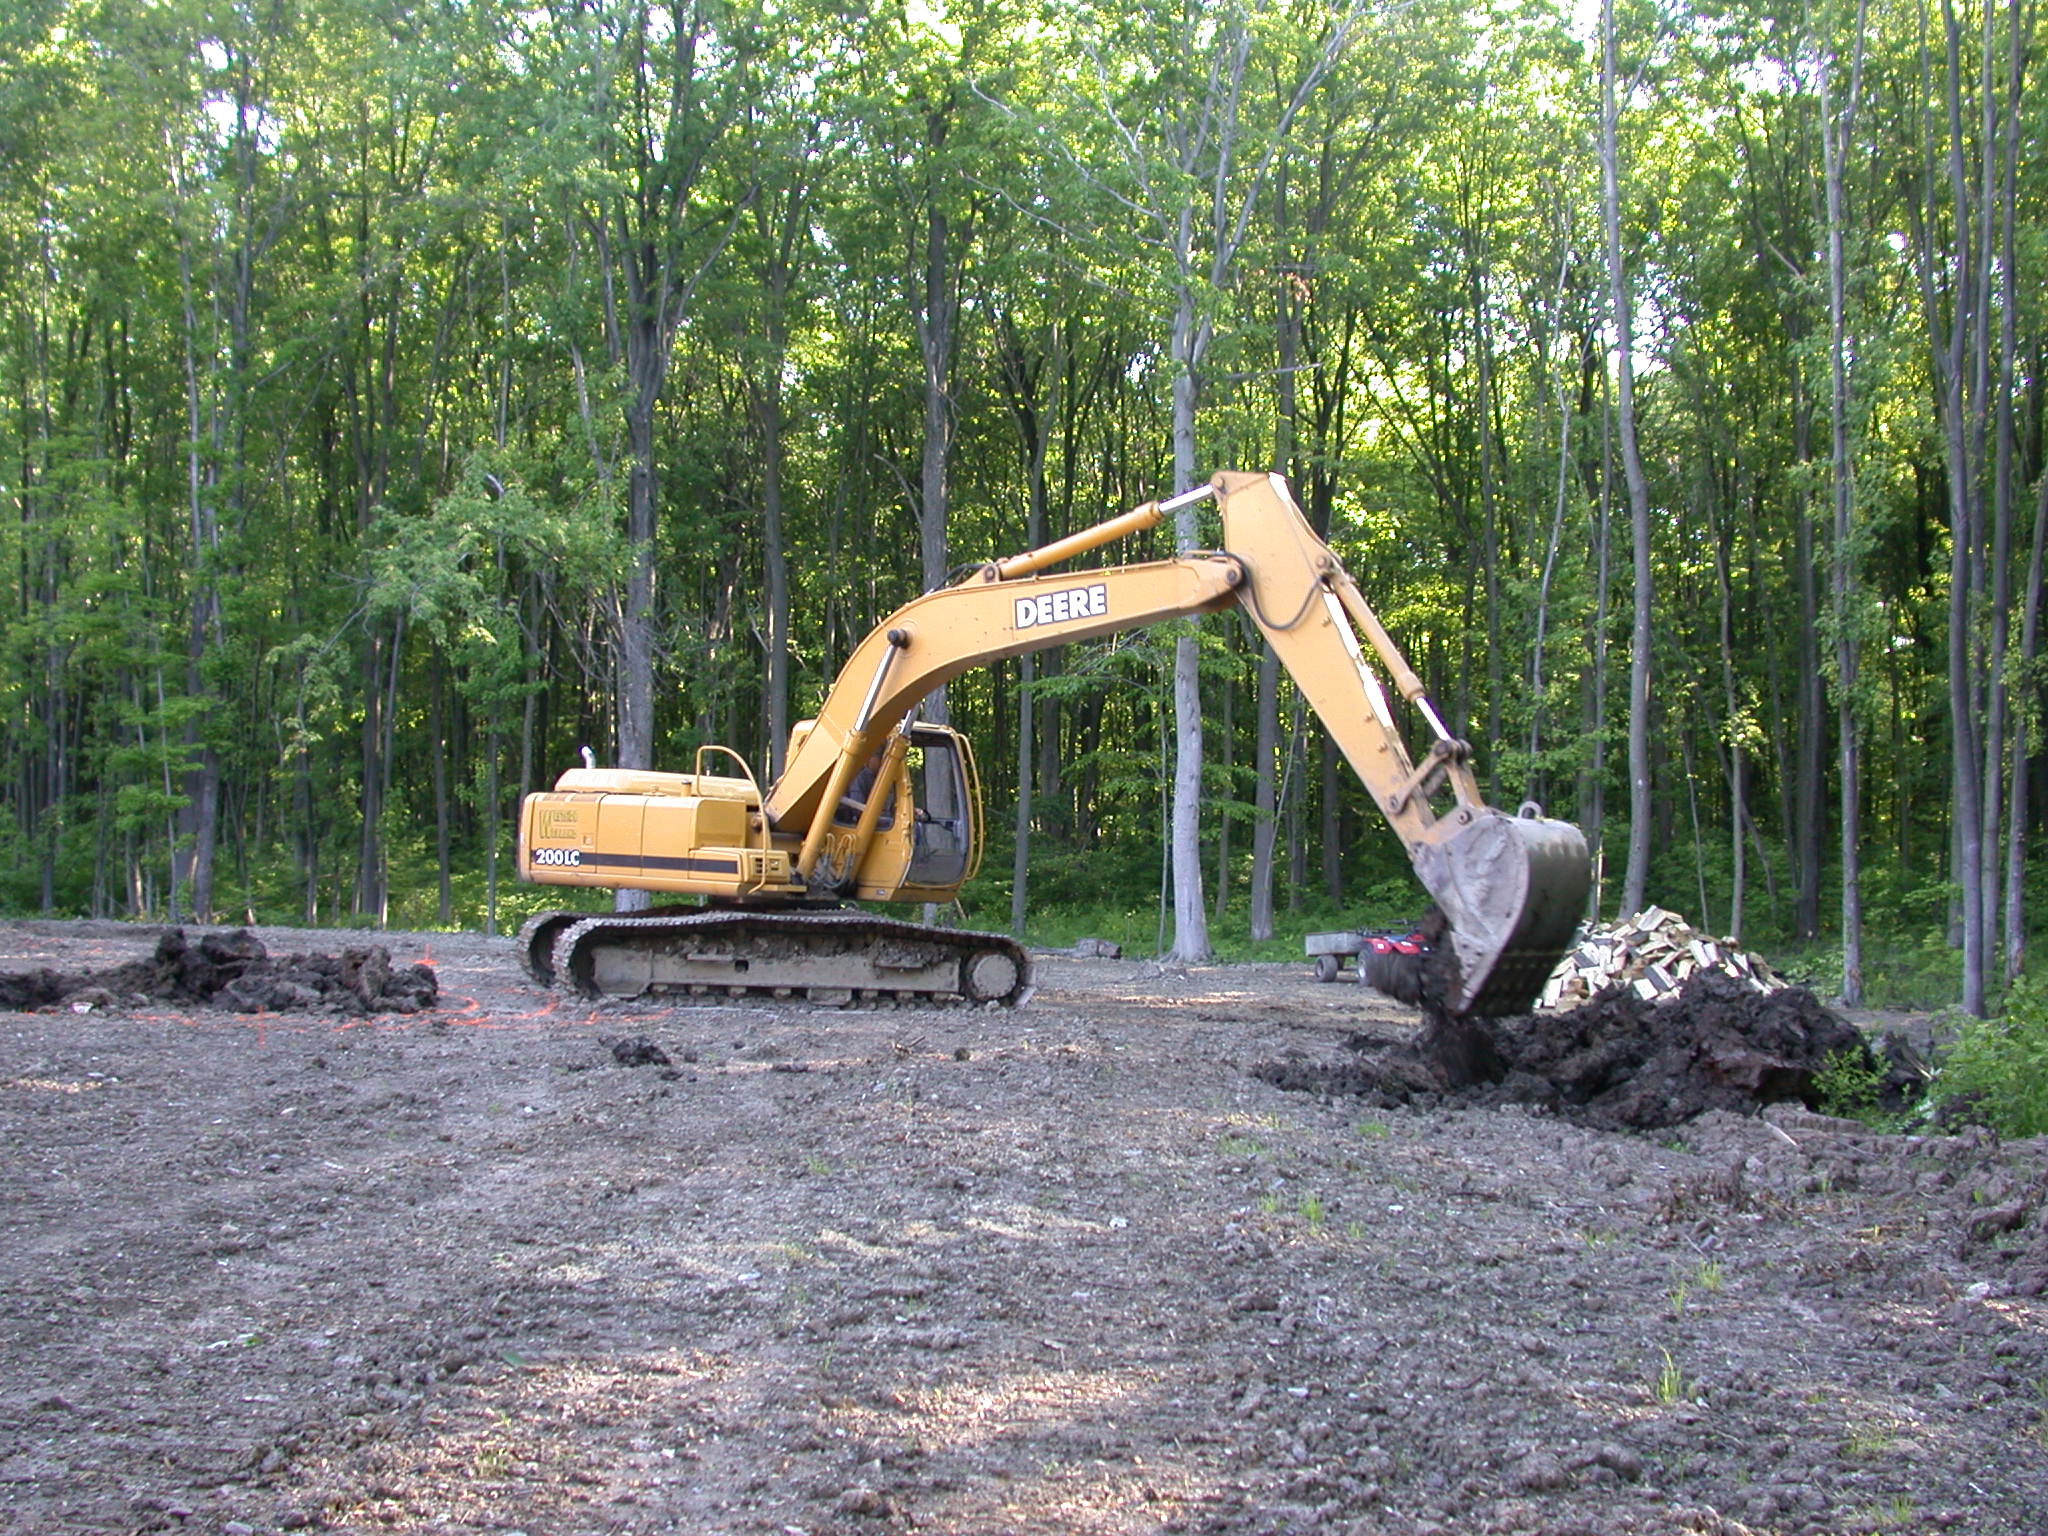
{"x": 1622, "y": 1063}
{"x": 1618, "y": 1062}
{"x": 234, "y": 971}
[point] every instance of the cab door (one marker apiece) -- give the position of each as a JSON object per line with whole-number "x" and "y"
{"x": 946, "y": 834}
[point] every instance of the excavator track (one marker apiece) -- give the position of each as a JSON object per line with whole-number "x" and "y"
{"x": 537, "y": 936}
{"x": 844, "y": 957}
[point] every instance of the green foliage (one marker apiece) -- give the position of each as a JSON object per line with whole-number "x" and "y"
{"x": 1849, "y": 1084}
{"x": 1908, "y": 969}
{"x": 1996, "y": 1073}
{"x": 1670, "y": 1387}
{"x": 342, "y": 321}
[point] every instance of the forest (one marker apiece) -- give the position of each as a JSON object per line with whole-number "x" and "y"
{"x": 401, "y": 397}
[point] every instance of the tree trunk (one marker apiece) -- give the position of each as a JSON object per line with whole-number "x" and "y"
{"x": 370, "y": 893}
{"x": 646, "y": 364}
{"x": 1622, "y": 309}
{"x": 659, "y": 119}
{"x": 192, "y": 854}
{"x": 1837, "y": 137}
{"x": 1190, "y": 913}
{"x": 1222, "y": 897}
{"x": 1594, "y": 800}
{"x": 1330, "y": 822}
{"x": 1808, "y": 786}
{"x": 494, "y": 744}
{"x": 2001, "y": 726}
{"x": 774, "y": 561}
{"x": 935, "y": 304}
{"x": 1738, "y": 761}
{"x": 1955, "y": 370}
{"x": 437, "y": 757}
{"x": 1265, "y": 828}
{"x": 937, "y": 329}
{"x": 1025, "y": 374}
{"x": 1265, "y": 820}
{"x": 1489, "y": 542}
{"x": 782, "y": 222}
{"x": 2017, "y": 821}
{"x": 1204, "y": 139}
{"x": 1560, "y": 502}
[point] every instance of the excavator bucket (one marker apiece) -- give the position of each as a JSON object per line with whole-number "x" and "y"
{"x": 1513, "y": 889}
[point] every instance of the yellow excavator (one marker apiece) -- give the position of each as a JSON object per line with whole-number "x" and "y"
{"x": 873, "y": 805}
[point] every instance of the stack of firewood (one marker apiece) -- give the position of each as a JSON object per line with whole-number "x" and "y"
{"x": 1652, "y": 952}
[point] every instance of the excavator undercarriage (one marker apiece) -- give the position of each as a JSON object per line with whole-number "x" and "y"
{"x": 841, "y": 956}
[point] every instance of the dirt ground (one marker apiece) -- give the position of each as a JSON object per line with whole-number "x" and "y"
{"x": 1069, "y": 1268}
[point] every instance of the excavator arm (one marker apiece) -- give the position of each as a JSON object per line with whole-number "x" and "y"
{"x": 1512, "y": 887}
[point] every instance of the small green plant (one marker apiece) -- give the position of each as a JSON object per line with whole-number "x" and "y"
{"x": 1848, "y": 1084}
{"x": 1269, "y": 1205}
{"x": 1998, "y": 1068}
{"x": 1372, "y": 1130}
{"x": 1867, "y": 1442}
{"x": 1671, "y": 1386}
{"x": 1894, "y": 1513}
{"x": 1678, "y": 1296}
{"x": 1709, "y": 1276}
{"x": 1312, "y": 1210}
{"x": 816, "y": 1166}
{"x": 1234, "y": 1145}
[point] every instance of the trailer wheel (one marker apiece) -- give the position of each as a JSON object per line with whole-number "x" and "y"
{"x": 1327, "y": 967}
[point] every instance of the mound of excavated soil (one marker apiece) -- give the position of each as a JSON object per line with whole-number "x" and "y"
{"x": 1614, "y": 1063}
{"x": 234, "y": 971}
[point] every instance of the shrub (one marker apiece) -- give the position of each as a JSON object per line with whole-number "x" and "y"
{"x": 1850, "y": 1084}
{"x": 1997, "y": 1071}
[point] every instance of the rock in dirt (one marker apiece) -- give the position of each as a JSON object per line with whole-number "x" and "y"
{"x": 1087, "y": 949}
{"x": 639, "y": 1051}
{"x": 1618, "y": 1062}
{"x": 234, "y": 970}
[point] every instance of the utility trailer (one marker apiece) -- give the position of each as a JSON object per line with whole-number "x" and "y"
{"x": 1331, "y": 950}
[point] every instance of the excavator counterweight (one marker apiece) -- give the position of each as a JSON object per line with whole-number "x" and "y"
{"x": 874, "y": 806}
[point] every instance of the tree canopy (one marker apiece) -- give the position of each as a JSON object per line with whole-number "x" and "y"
{"x": 400, "y": 399}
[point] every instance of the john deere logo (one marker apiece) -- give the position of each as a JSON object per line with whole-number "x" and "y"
{"x": 1061, "y": 606}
